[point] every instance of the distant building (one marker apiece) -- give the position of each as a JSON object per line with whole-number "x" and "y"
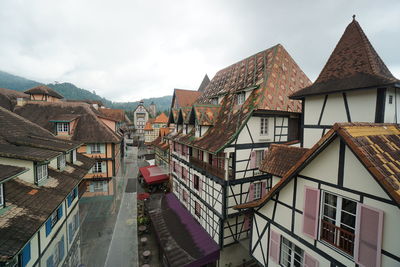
{"x": 39, "y": 179}
{"x": 153, "y": 126}
{"x": 43, "y": 93}
{"x": 153, "y": 110}
{"x": 204, "y": 83}
{"x": 140, "y": 117}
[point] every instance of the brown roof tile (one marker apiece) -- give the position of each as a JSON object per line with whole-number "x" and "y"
{"x": 114, "y": 114}
{"x": 8, "y": 98}
{"x": 7, "y": 171}
{"x": 43, "y": 89}
{"x": 162, "y": 118}
{"x": 280, "y": 158}
{"x": 353, "y": 64}
{"x": 185, "y": 98}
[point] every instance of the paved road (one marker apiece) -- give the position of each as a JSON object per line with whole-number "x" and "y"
{"x": 108, "y": 223}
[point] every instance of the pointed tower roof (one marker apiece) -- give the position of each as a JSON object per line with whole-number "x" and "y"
{"x": 354, "y": 64}
{"x": 204, "y": 83}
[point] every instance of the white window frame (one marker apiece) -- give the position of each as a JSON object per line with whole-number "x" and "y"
{"x": 290, "y": 251}
{"x": 257, "y": 191}
{"x": 263, "y": 126}
{"x": 1, "y": 196}
{"x": 95, "y": 148}
{"x": 240, "y": 98}
{"x": 61, "y": 161}
{"x": 62, "y": 127}
{"x": 97, "y": 167}
{"x": 41, "y": 173}
{"x": 54, "y": 218}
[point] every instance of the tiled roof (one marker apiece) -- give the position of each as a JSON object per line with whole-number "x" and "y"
{"x": 64, "y": 117}
{"x": 160, "y": 143}
{"x": 270, "y": 76}
{"x": 7, "y": 171}
{"x": 353, "y": 64}
{"x": 29, "y": 206}
{"x": 280, "y": 158}
{"x": 43, "y": 89}
{"x": 173, "y": 115}
{"x": 185, "y": 98}
{"x": 206, "y": 114}
{"x": 8, "y": 98}
{"x": 89, "y": 128}
{"x": 184, "y": 114}
{"x": 148, "y": 126}
{"x": 162, "y": 118}
{"x": 204, "y": 83}
{"x": 114, "y": 114}
{"x": 377, "y": 146}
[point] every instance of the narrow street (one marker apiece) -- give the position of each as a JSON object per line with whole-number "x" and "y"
{"x": 108, "y": 223}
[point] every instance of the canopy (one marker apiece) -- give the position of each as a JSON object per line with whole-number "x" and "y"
{"x": 153, "y": 174}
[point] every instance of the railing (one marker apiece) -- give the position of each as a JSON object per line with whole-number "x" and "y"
{"x": 208, "y": 167}
{"x": 338, "y": 237}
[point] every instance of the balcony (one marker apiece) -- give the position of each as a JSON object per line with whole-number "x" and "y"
{"x": 337, "y": 237}
{"x": 208, "y": 167}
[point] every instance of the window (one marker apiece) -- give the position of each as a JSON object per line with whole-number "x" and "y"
{"x": 41, "y": 173}
{"x": 72, "y": 196}
{"x": 184, "y": 195}
{"x": 61, "y": 162}
{"x": 1, "y": 196}
{"x": 196, "y": 182}
{"x": 214, "y": 100}
{"x": 259, "y": 157}
{"x": 97, "y": 167}
{"x": 73, "y": 226}
{"x": 62, "y": 127}
{"x": 291, "y": 255}
{"x": 54, "y": 218}
{"x": 257, "y": 190}
{"x": 263, "y": 126}
{"x": 197, "y": 209}
{"x": 390, "y": 99}
{"x": 58, "y": 254}
{"x": 338, "y": 221}
{"x": 240, "y": 98}
{"x": 95, "y": 148}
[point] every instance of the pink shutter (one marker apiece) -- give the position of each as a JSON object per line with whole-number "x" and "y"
{"x": 246, "y": 222}
{"x": 252, "y": 159}
{"x": 310, "y": 211}
{"x": 310, "y": 261}
{"x": 274, "y": 242}
{"x": 200, "y": 184}
{"x": 251, "y": 192}
{"x": 263, "y": 189}
{"x": 368, "y": 239}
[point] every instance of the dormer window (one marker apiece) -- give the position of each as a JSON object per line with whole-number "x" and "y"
{"x": 61, "y": 162}
{"x": 41, "y": 173}
{"x": 95, "y": 148}
{"x": 1, "y": 196}
{"x": 214, "y": 100}
{"x": 62, "y": 127}
{"x": 240, "y": 97}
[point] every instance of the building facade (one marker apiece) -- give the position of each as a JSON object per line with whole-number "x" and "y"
{"x": 140, "y": 117}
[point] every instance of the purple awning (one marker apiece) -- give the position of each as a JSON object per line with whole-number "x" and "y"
{"x": 182, "y": 238}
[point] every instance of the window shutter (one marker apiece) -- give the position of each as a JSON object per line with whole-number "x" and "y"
{"x": 252, "y": 159}
{"x": 61, "y": 248}
{"x": 60, "y": 212}
{"x": 50, "y": 262}
{"x": 70, "y": 233}
{"x": 69, "y": 199}
{"x": 74, "y": 156}
{"x": 274, "y": 242}
{"x": 48, "y": 226}
{"x": 26, "y": 254}
{"x": 368, "y": 239}
{"x": 310, "y": 261}
{"x": 103, "y": 167}
{"x": 91, "y": 188}
{"x": 251, "y": 192}
{"x": 310, "y": 211}
{"x": 102, "y": 148}
{"x": 200, "y": 184}
{"x": 263, "y": 189}
{"x": 105, "y": 187}
{"x": 88, "y": 149}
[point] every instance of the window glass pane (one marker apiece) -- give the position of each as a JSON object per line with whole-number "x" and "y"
{"x": 330, "y": 212}
{"x": 330, "y": 199}
{"x": 349, "y": 206}
{"x": 348, "y": 221}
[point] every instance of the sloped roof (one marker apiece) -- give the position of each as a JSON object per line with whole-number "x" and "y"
{"x": 271, "y": 76}
{"x": 148, "y": 126}
{"x": 30, "y": 205}
{"x": 173, "y": 115}
{"x": 158, "y": 142}
{"x": 89, "y": 128}
{"x": 184, "y": 98}
{"x": 162, "y": 118}
{"x": 43, "y": 89}
{"x": 205, "y": 114}
{"x": 114, "y": 114}
{"x": 8, "y": 98}
{"x": 185, "y": 113}
{"x": 353, "y": 64}
{"x": 377, "y": 146}
{"x": 204, "y": 83}
{"x": 280, "y": 158}
{"x": 8, "y": 171}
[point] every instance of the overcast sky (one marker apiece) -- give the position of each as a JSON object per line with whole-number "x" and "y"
{"x": 126, "y": 50}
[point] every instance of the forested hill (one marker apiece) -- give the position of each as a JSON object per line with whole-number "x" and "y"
{"x": 70, "y": 91}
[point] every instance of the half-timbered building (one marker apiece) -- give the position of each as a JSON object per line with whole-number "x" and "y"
{"x": 336, "y": 204}
{"x": 219, "y": 142}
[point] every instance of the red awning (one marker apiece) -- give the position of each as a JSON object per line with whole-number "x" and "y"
{"x": 153, "y": 174}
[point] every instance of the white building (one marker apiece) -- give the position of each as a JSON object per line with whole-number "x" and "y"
{"x": 336, "y": 204}
{"x": 219, "y": 143}
{"x": 140, "y": 117}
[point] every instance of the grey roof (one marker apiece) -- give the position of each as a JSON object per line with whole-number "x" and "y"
{"x": 8, "y": 171}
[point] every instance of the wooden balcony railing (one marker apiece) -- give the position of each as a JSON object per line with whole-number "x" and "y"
{"x": 208, "y": 167}
{"x": 338, "y": 237}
